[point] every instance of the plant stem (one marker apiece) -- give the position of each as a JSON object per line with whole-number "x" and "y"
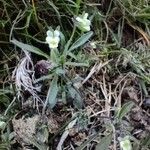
{"x": 70, "y": 40}
{"x": 78, "y": 2}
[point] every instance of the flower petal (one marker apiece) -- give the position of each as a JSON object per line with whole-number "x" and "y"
{"x": 85, "y": 16}
{"x": 53, "y": 42}
{"x": 79, "y": 19}
{"x": 53, "y": 46}
{"x": 49, "y": 33}
{"x": 57, "y": 39}
{"x": 83, "y": 23}
{"x": 48, "y": 39}
{"x": 86, "y": 28}
{"x": 88, "y": 22}
{"x": 56, "y": 33}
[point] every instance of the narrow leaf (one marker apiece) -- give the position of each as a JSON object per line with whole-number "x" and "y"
{"x": 104, "y": 143}
{"x": 40, "y": 146}
{"x": 76, "y": 64}
{"x": 29, "y": 48}
{"x": 54, "y": 55}
{"x": 77, "y": 100}
{"x": 145, "y": 141}
{"x": 52, "y": 92}
{"x": 125, "y": 109}
{"x": 83, "y": 145}
{"x": 82, "y": 40}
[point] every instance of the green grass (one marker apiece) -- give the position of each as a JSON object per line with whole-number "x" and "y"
{"x": 95, "y": 91}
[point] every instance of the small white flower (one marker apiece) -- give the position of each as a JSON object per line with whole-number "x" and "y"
{"x": 125, "y": 144}
{"x": 53, "y": 38}
{"x": 93, "y": 45}
{"x": 83, "y": 23}
{"x": 2, "y": 124}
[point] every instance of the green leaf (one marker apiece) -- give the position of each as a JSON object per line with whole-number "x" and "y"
{"x": 40, "y": 146}
{"x": 4, "y": 99}
{"x": 78, "y": 102}
{"x": 52, "y": 92}
{"x": 83, "y": 145}
{"x": 54, "y": 55}
{"x": 42, "y": 134}
{"x": 125, "y": 109}
{"x": 145, "y": 142}
{"x": 72, "y": 55}
{"x": 44, "y": 77}
{"x": 29, "y": 48}
{"x": 76, "y": 64}
{"x": 59, "y": 71}
{"x": 4, "y": 146}
{"x": 104, "y": 143}
{"x": 63, "y": 41}
{"x": 5, "y": 91}
{"x": 82, "y": 40}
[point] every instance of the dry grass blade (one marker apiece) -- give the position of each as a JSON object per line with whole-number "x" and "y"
{"x": 95, "y": 68}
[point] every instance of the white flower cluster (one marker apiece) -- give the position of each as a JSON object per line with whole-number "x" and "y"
{"x": 125, "y": 144}
{"x": 83, "y": 23}
{"x": 53, "y": 38}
